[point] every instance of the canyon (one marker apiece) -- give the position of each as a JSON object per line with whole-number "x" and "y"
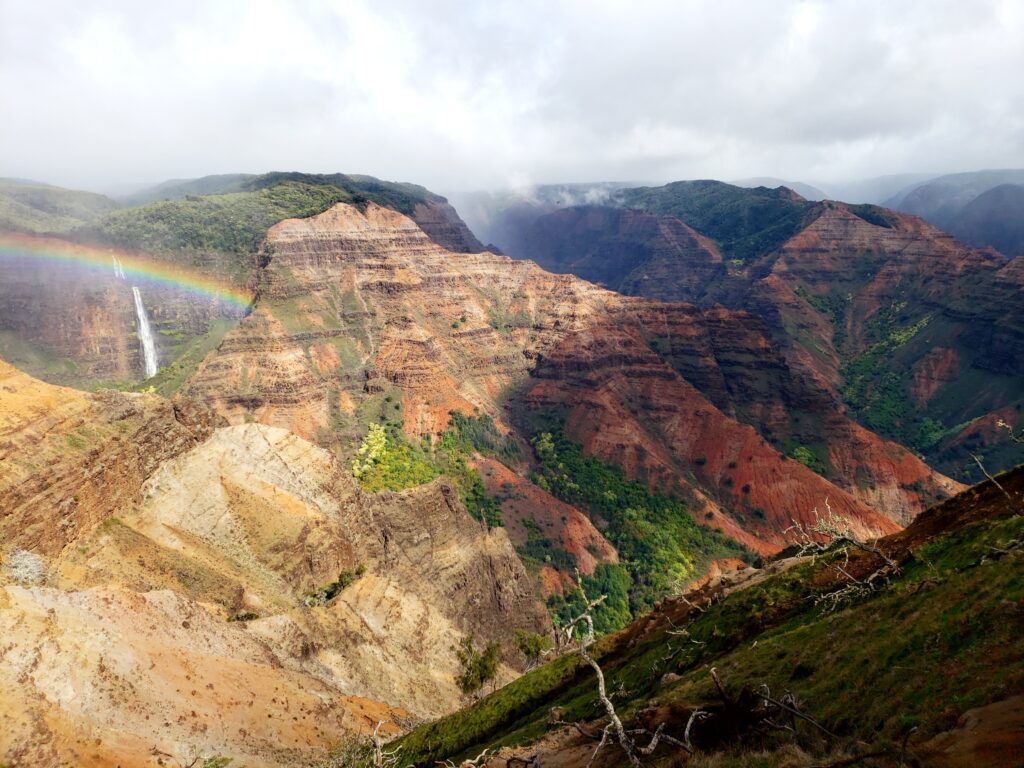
{"x": 186, "y": 561}
{"x": 861, "y": 301}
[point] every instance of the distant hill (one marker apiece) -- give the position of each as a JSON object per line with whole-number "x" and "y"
{"x": 995, "y": 218}
{"x": 29, "y": 206}
{"x": 940, "y": 197}
{"x": 176, "y": 189}
{"x": 876, "y": 189}
{"x": 231, "y": 213}
{"x": 745, "y": 222}
{"x": 897, "y": 317}
{"x": 498, "y": 218}
{"x": 944, "y": 202}
{"x": 805, "y": 190}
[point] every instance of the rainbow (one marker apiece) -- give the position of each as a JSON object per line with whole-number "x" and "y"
{"x": 122, "y": 264}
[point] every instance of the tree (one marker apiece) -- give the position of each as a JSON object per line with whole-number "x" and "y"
{"x": 532, "y": 646}
{"x": 478, "y": 667}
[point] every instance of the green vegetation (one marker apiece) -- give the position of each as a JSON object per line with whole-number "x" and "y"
{"x": 809, "y": 459}
{"x": 385, "y": 460}
{"x": 502, "y": 320}
{"x": 659, "y": 544}
{"x": 232, "y": 223}
{"x": 833, "y": 306}
{"x": 878, "y": 395}
{"x": 36, "y": 359}
{"x": 479, "y": 667}
{"x": 330, "y": 591}
{"x": 874, "y": 214}
{"x": 531, "y": 645}
{"x": 540, "y": 550}
{"x": 235, "y": 220}
{"x": 185, "y": 354}
{"x": 31, "y": 207}
{"x": 928, "y": 653}
{"x": 611, "y": 580}
{"x": 747, "y": 223}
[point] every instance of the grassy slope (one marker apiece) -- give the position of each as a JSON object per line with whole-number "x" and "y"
{"x": 915, "y": 654}
{"x": 31, "y": 207}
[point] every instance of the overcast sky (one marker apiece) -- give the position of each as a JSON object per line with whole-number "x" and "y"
{"x": 457, "y": 95}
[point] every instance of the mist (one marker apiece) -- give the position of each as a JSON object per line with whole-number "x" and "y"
{"x": 112, "y": 96}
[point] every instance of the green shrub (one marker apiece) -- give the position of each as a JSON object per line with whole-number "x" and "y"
{"x": 479, "y": 667}
{"x": 658, "y": 541}
{"x": 531, "y": 645}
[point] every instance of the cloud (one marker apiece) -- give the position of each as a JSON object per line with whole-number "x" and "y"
{"x": 466, "y": 94}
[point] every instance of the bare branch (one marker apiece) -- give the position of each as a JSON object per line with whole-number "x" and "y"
{"x": 1017, "y": 437}
{"x": 995, "y": 482}
{"x": 383, "y": 758}
{"x": 476, "y": 762}
{"x": 695, "y": 716}
{"x": 831, "y": 530}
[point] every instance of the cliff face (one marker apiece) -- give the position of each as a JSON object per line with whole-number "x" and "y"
{"x": 633, "y": 252}
{"x": 77, "y": 325}
{"x": 71, "y": 459}
{"x": 442, "y": 225}
{"x": 860, "y": 302}
{"x": 148, "y": 528}
{"x": 358, "y": 306}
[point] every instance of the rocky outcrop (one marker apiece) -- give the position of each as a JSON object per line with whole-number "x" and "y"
{"x": 442, "y": 224}
{"x": 108, "y": 676}
{"x": 70, "y": 459}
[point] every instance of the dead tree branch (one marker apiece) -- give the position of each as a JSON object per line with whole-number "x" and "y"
{"x": 827, "y": 533}
{"x": 1017, "y": 437}
{"x": 830, "y": 531}
{"x": 476, "y": 762}
{"x": 1006, "y": 493}
{"x": 614, "y": 727}
{"x": 383, "y": 758}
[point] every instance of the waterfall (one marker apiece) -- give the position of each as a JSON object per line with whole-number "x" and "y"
{"x": 145, "y": 335}
{"x": 118, "y": 269}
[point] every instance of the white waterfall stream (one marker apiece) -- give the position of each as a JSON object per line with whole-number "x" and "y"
{"x": 145, "y": 335}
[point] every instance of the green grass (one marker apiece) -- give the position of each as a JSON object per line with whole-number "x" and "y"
{"x": 186, "y": 355}
{"x": 236, "y": 221}
{"x": 231, "y": 223}
{"x": 935, "y": 641}
{"x": 35, "y": 359}
{"x": 879, "y": 395}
